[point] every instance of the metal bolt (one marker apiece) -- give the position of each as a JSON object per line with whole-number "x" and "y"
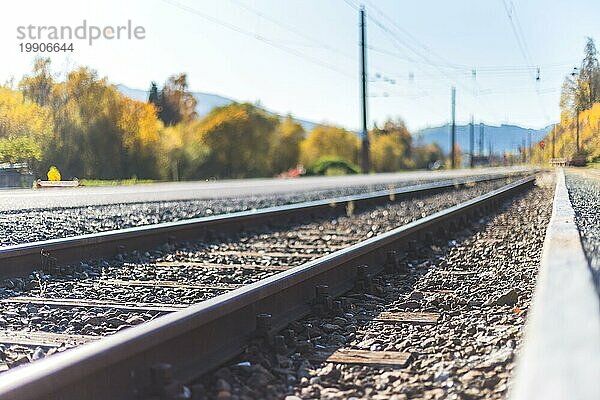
{"x": 412, "y": 248}
{"x": 336, "y": 307}
{"x": 363, "y": 281}
{"x": 279, "y": 344}
{"x": 345, "y": 303}
{"x": 402, "y": 267}
{"x": 360, "y": 286}
{"x": 321, "y": 291}
{"x": 429, "y": 239}
{"x": 319, "y": 309}
{"x": 161, "y": 374}
{"x": 263, "y": 324}
{"x": 44, "y": 258}
{"x": 290, "y": 337}
{"x": 361, "y": 271}
{"x": 391, "y": 262}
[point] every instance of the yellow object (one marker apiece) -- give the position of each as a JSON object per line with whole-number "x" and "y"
{"x": 53, "y": 174}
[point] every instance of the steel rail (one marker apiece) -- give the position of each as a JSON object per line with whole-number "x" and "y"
{"x": 208, "y": 334}
{"x": 560, "y": 356}
{"x": 22, "y": 259}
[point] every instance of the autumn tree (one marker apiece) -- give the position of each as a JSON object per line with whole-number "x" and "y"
{"x": 38, "y": 86}
{"x": 391, "y": 147}
{"x": 580, "y": 98}
{"x": 25, "y": 127}
{"x": 426, "y": 156}
{"x": 284, "y": 151}
{"x": 96, "y": 132}
{"x": 329, "y": 141}
{"x": 140, "y": 138}
{"x": 183, "y": 154}
{"x": 174, "y": 102}
{"x": 239, "y": 137}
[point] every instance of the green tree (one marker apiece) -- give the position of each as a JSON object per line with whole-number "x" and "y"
{"x": 581, "y": 88}
{"x": 154, "y": 96}
{"x": 590, "y": 75}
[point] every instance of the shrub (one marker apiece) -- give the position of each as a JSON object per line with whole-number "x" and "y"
{"x": 332, "y": 166}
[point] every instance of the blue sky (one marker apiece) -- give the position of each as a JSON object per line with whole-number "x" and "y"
{"x": 302, "y": 56}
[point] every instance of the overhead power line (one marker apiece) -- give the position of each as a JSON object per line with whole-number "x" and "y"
{"x": 293, "y": 30}
{"x": 270, "y": 42}
{"x": 511, "y": 13}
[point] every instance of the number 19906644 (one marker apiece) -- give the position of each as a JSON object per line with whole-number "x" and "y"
{"x": 45, "y": 47}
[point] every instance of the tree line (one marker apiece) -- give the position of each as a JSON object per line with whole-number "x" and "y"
{"x": 579, "y": 105}
{"x": 83, "y": 125}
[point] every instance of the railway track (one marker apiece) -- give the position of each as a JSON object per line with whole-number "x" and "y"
{"x": 281, "y": 280}
{"x": 65, "y": 302}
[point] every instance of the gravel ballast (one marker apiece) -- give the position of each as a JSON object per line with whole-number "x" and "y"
{"x": 92, "y": 279}
{"x": 584, "y": 192}
{"x": 480, "y": 281}
{"x": 43, "y": 224}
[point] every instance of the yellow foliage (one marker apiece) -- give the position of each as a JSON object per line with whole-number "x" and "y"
{"x": 387, "y": 153}
{"x": 138, "y": 122}
{"x": 239, "y": 137}
{"x": 284, "y": 150}
{"x": 565, "y": 133}
{"x": 329, "y": 141}
{"x": 391, "y": 147}
{"x": 20, "y": 117}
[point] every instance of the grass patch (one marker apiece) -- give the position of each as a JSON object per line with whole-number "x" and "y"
{"x": 115, "y": 182}
{"x": 595, "y": 164}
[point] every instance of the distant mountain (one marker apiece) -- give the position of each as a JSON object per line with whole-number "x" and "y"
{"x": 503, "y": 138}
{"x": 205, "y": 103}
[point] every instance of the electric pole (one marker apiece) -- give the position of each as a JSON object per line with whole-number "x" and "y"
{"x": 481, "y": 139}
{"x": 472, "y": 141}
{"x": 554, "y": 141}
{"x": 363, "y": 72}
{"x": 530, "y": 149}
{"x": 453, "y": 130}
{"x": 577, "y": 129}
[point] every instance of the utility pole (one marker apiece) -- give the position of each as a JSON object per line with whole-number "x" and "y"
{"x": 530, "y": 149}
{"x": 481, "y": 139}
{"x": 363, "y": 72}
{"x": 472, "y": 141}
{"x": 577, "y": 124}
{"x": 554, "y": 141}
{"x": 453, "y": 130}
